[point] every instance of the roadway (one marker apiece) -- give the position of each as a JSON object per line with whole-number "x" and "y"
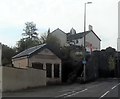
{"x": 98, "y": 89}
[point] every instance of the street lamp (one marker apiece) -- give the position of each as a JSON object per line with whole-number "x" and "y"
{"x": 85, "y": 20}
{"x": 84, "y": 61}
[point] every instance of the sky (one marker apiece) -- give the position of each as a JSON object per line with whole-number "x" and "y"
{"x": 63, "y": 14}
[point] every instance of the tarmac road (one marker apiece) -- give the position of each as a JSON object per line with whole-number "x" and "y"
{"x": 99, "y": 89}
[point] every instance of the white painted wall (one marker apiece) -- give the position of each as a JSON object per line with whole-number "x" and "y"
{"x": 80, "y": 42}
{"x": 92, "y": 39}
{"x": 61, "y": 36}
{"x": 16, "y": 79}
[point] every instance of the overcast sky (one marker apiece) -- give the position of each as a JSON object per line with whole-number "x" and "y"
{"x": 63, "y": 14}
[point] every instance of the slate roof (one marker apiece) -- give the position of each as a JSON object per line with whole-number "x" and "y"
{"x": 76, "y": 36}
{"x": 71, "y": 37}
{"x": 29, "y": 51}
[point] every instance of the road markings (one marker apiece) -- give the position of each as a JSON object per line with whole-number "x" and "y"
{"x": 75, "y": 93}
{"x": 104, "y": 94}
{"x": 115, "y": 86}
{"x": 69, "y": 94}
{"x": 65, "y": 94}
{"x": 109, "y": 91}
{"x": 68, "y": 90}
{"x": 64, "y": 90}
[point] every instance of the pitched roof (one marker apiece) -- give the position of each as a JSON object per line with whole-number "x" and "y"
{"x": 76, "y": 36}
{"x": 29, "y": 51}
{"x": 79, "y": 35}
{"x": 96, "y": 35}
{"x": 58, "y": 30}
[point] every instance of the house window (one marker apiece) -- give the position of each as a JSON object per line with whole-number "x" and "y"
{"x": 77, "y": 41}
{"x": 37, "y": 65}
{"x": 49, "y": 70}
{"x": 56, "y": 70}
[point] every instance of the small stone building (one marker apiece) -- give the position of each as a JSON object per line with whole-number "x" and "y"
{"x": 40, "y": 57}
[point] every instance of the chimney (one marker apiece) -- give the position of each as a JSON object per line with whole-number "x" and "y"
{"x": 90, "y": 27}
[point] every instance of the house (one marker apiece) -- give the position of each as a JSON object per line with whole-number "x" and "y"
{"x": 73, "y": 38}
{"x": 40, "y": 57}
{"x": 92, "y": 40}
{"x": 60, "y": 35}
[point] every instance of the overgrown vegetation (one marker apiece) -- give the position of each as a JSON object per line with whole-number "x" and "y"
{"x": 102, "y": 64}
{"x": 7, "y": 54}
{"x": 30, "y": 39}
{"x": 99, "y": 63}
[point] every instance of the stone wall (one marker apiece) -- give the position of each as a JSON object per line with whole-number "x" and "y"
{"x": 16, "y": 79}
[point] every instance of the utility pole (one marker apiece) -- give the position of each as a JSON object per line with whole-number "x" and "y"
{"x": 84, "y": 61}
{"x": 0, "y": 54}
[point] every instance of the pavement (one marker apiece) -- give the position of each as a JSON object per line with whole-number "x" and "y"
{"x": 99, "y": 89}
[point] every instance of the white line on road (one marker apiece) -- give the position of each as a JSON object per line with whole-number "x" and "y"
{"x": 82, "y": 90}
{"x": 64, "y": 90}
{"x": 109, "y": 91}
{"x": 78, "y": 88}
{"x": 104, "y": 94}
{"x": 115, "y": 86}
{"x": 75, "y": 93}
{"x": 65, "y": 94}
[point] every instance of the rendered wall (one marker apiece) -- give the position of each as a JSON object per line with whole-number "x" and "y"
{"x": 46, "y": 56}
{"x": 21, "y": 62}
{"x": 92, "y": 39}
{"x": 16, "y": 79}
{"x": 61, "y": 36}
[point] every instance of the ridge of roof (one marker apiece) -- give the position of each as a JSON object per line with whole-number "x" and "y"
{"x": 80, "y": 35}
{"x": 77, "y": 35}
{"x": 60, "y": 30}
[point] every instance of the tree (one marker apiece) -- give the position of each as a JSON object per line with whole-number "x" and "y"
{"x": 30, "y": 31}
{"x": 111, "y": 62}
{"x": 31, "y": 37}
{"x": 7, "y": 54}
{"x": 49, "y": 39}
{"x": 26, "y": 43}
{"x": 43, "y": 38}
{"x": 53, "y": 41}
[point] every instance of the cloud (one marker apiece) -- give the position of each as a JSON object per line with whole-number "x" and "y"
{"x": 64, "y": 14}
